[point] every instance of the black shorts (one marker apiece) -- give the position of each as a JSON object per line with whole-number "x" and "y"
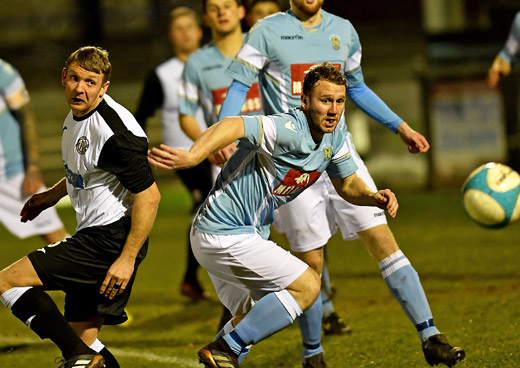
{"x": 79, "y": 265}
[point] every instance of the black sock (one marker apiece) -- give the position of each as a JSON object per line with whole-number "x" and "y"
{"x": 192, "y": 266}
{"x": 48, "y": 322}
{"x": 110, "y": 359}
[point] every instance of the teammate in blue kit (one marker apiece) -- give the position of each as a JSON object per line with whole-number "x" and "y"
{"x": 279, "y": 50}
{"x": 113, "y": 192}
{"x": 20, "y": 174}
{"x": 278, "y": 157}
{"x": 507, "y": 56}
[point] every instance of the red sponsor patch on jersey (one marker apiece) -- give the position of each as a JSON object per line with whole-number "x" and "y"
{"x": 253, "y": 102}
{"x": 295, "y": 180}
{"x": 298, "y": 72}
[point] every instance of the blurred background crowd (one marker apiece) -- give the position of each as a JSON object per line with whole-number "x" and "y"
{"x": 428, "y": 59}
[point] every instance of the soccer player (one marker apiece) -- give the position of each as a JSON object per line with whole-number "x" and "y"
{"x": 204, "y": 82}
{"x": 259, "y": 9}
{"x": 502, "y": 64}
{"x": 20, "y": 174}
{"x": 113, "y": 192}
{"x": 161, "y": 92}
{"x": 279, "y": 50}
{"x": 278, "y": 157}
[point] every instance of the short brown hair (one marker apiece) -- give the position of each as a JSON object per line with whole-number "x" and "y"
{"x": 182, "y": 11}
{"x": 205, "y": 3}
{"x": 91, "y": 58}
{"x": 325, "y": 71}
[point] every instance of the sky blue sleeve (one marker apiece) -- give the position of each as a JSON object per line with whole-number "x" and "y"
{"x": 512, "y": 46}
{"x": 235, "y": 98}
{"x": 370, "y": 103}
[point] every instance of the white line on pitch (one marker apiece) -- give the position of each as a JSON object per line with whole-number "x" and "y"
{"x": 188, "y": 363}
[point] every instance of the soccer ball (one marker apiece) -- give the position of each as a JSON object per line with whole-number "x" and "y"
{"x": 491, "y": 195}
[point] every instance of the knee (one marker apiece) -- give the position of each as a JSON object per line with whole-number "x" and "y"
{"x": 311, "y": 289}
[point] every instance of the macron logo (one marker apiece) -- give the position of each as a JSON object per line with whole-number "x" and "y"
{"x": 295, "y": 37}
{"x": 290, "y": 125}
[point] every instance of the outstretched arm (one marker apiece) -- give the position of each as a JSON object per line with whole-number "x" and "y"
{"x": 214, "y": 138}
{"x": 41, "y": 201}
{"x": 354, "y": 190}
{"x": 500, "y": 68}
{"x": 372, "y": 105}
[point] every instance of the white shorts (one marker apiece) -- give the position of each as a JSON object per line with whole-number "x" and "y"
{"x": 313, "y": 217}
{"x": 12, "y": 200}
{"x": 244, "y": 268}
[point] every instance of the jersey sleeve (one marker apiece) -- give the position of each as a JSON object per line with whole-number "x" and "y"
{"x": 512, "y": 46}
{"x": 125, "y": 156}
{"x": 189, "y": 88}
{"x": 341, "y": 163}
{"x": 251, "y": 58}
{"x": 353, "y": 70}
{"x": 151, "y": 99}
{"x": 11, "y": 82}
{"x": 260, "y": 133}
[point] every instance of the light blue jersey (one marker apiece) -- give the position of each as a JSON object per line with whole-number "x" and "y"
{"x": 204, "y": 83}
{"x": 275, "y": 161}
{"x": 280, "y": 50}
{"x": 11, "y": 152}
{"x": 512, "y": 46}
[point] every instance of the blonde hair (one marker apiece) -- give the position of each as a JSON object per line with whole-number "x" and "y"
{"x": 182, "y": 11}
{"x": 91, "y": 58}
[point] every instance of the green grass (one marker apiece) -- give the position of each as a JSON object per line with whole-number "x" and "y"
{"x": 471, "y": 276}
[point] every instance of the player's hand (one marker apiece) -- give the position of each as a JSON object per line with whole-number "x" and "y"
{"x": 170, "y": 158}
{"x": 32, "y": 181}
{"x": 117, "y": 277}
{"x": 35, "y": 205}
{"x": 499, "y": 68}
{"x": 415, "y": 141}
{"x": 221, "y": 156}
{"x": 386, "y": 200}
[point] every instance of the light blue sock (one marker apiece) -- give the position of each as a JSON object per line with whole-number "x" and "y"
{"x": 326, "y": 291}
{"x": 310, "y": 328}
{"x": 228, "y": 328}
{"x": 405, "y": 286}
{"x": 272, "y": 313}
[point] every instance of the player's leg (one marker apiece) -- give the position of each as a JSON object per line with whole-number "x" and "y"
{"x": 287, "y": 286}
{"x": 21, "y": 291}
{"x": 88, "y": 331}
{"x": 198, "y": 182}
{"x": 404, "y": 284}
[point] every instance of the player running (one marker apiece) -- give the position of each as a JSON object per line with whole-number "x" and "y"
{"x": 278, "y": 157}
{"x": 279, "y": 50}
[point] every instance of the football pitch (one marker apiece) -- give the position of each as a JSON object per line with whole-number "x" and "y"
{"x": 471, "y": 276}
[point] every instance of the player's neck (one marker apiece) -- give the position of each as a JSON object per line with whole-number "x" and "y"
{"x": 308, "y": 21}
{"x": 229, "y": 44}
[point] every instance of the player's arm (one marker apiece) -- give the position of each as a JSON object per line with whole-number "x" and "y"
{"x": 144, "y": 212}
{"x": 152, "y": 98}
{"x": 507, "y": 56}
{"x": 21, "y": 109}
{"x": 214, "y": 138}
{"x": 372, "y": 105}
{"x": 41, "y": 201}
{"x": 354, "y": 190}
{"x": 189, "y": 126}
{"x": 500, "y": 68}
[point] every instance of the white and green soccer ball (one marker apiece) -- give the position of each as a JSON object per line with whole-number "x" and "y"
{"x": 491, "y": 195}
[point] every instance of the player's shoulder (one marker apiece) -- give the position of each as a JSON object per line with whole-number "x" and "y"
{"x": 7, "y": 70}
{"x": 272, "y": 23}
{"x": 119, "y": 118}
{"x": 335, "y": 20}
{"x": 206, "y": 54}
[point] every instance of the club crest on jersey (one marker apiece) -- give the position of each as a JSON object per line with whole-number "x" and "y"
{"x": 294, "y": 181}
{"x": 335, "y": 41}
{"x": 82, "y": 145}
{"x": 327, "y": 151}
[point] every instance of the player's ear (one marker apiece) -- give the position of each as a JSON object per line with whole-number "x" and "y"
{"x": 305, "y": 101}
{"x": 63, "y": 76}
{"x": 241, "y": 12}
{"x": 104, "y": 89}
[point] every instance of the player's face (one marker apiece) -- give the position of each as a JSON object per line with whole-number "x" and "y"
{"x": 223, "y": 16}
{"x": 185, "y": 34}
{"x": 323, "y": 107}
{"x": 261, "y": 10}
{"x": 307, "y": 7}
{"x": 84, "y": 90}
